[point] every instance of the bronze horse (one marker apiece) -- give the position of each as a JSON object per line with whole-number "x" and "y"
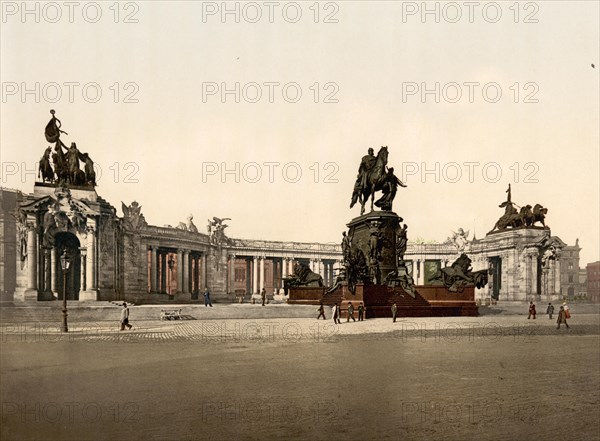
{"x": 373, "y": 181}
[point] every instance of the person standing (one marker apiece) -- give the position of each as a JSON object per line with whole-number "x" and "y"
{"x": 562, "y": 318}
{"x": 125, "y": 317}
{"x": 336, "y": 314}
{"x": 350, "y": 312}
{"x": 263, "y": 296}
{"x": 361, "y": 312}
{"x": 550, "y": 310}
{"x": 531, "y": 311}
{"x": 321, "y": 311}
{"x": 394, "y": 312}
{"x": 207, "y": 301}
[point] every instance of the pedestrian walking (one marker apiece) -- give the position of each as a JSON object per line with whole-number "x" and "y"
{"x": 350, "y": 312}
{"x": 207, "y": 301}
{"x": 335, "y": 313}
{"x": 361, "y": 312}
{"x": 567, "y": 311}
{"x": 550, "y": 310}
{"x": 562, "y": 318}
{"x": 531, "y": 311}
{"x": 263, "y": 296}
{"x": 321, "y": 311}
{"x": 125, "y": 317}
{"x": 394, "y": 312}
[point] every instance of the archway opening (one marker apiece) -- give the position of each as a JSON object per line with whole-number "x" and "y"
{"x": 68, "y": 242}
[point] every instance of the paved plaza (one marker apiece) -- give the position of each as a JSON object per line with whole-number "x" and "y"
{"x": 275, "y": 372}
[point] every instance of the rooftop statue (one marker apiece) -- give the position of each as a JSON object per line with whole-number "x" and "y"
{"x": 522, "y": 217}
{"x": 66, "y": 161}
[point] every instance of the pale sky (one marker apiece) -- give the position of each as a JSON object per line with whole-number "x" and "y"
{"x": 364, "y": 61}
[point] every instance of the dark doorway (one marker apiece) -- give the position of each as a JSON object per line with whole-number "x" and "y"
{"x": 496, "y": 273}
{"x": 68, "y": 242}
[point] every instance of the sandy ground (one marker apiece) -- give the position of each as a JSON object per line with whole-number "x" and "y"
{"x": 483, "y": 378}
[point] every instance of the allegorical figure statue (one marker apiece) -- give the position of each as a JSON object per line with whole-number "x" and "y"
{"x": 60, "y": 165}
{"x": 389, "y": 189}
{"x": 73, "y": 163}
{"x": 90, "y": 173}
{"x": 460, "y": 239}
{"x": 345, "y": 247}
{"x": 45, "y": 169}
{"x": 401, "y": 243}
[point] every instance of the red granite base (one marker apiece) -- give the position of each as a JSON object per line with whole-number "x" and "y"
{"x": 306, "y": 295}
{"x": 429, "y": 301}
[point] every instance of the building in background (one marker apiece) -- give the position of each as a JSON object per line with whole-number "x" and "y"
{"x": 593, "y": 281}
{"x": 125, "y": 258}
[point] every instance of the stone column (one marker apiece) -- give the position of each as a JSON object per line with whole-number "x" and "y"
{"x": 284, "y": 267}
{"x": 91, "y": 292}
{"x": 179, "y": 270}
{"x": 284, "y": 272}
{"x": 203, "y": 279}
{"x": 185, "y": 272}
{"x": 232, "y": 259}
{"x": 82, "y": 253}
{"x": 54, "y": 285}
{"x": 153, "y": 272}
{"x": 163, "y": 272}
{"x": 254, "y": 274}
{"x": 262, "y": 272}
{"x": 32, "y": 264}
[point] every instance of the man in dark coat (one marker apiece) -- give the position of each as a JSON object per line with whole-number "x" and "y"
{"x": 350, "y": 312}
{"x": 562, "y": 318}
{"x": 550, "y": 310}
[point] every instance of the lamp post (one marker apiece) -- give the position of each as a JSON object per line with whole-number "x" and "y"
{"x": 65, "y": 262}
{"x": 171, "y": 264}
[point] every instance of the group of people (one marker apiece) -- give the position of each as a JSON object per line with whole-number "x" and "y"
{"x": 563, "y": 313}
{"x": 336, "y": 312}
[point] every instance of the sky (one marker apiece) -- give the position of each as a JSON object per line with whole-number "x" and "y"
{"x": 261, "y": 112}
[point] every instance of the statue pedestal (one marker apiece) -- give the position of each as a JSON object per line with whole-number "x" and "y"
{"x": 440, "y": 296}
{"x": 375, "y": 235}
{"x": 88, "y": 295}
{"x": 46, "y": 296}
{"x": 27, "y": 295}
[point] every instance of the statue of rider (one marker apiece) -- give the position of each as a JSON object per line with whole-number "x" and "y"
{"x": 366, "y": 165}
